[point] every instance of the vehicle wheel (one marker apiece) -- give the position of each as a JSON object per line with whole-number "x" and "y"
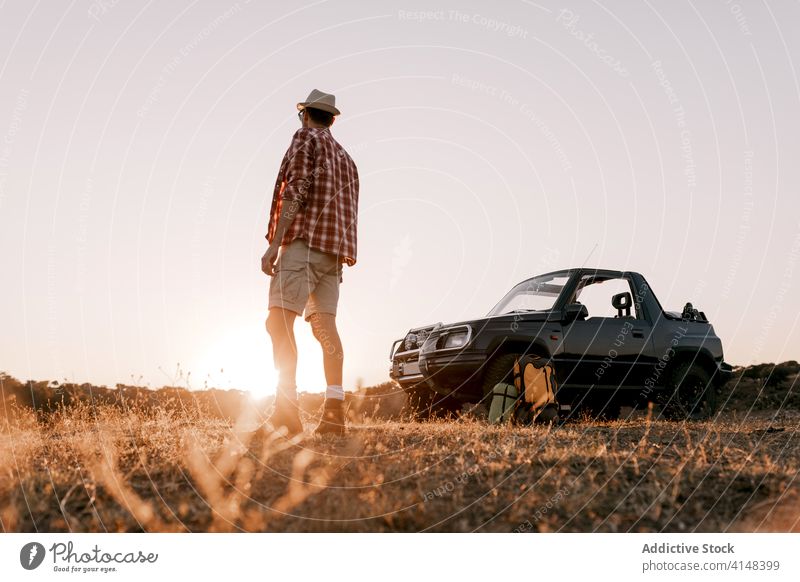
{"x": 689, "y": 394}
{"x": 499, "y": 370}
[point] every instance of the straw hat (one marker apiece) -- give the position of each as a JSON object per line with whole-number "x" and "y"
{"x": 319, "y": 100}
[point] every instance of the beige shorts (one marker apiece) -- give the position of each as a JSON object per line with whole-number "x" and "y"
{"x": 305, "y": 279}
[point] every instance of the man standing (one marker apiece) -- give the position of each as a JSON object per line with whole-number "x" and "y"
{"x": 313, "y": 225}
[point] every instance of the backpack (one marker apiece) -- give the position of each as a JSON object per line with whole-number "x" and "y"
{"x": 531, "y": 397}
{"x": 503, "y": 403}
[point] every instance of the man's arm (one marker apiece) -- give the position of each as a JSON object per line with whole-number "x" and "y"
{"x": 288, "y": 212}
{"x": 299, "y": 177}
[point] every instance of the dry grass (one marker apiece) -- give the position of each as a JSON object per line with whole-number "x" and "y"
{"x": 101, "y": 469}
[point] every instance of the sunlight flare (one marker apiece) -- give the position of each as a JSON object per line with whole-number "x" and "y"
{"x": 241, "y": 359}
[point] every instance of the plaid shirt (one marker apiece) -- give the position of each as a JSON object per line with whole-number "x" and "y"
{"x": 320, "y": 175}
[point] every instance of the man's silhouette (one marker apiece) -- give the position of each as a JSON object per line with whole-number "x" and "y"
{"x": 313, "y": 225}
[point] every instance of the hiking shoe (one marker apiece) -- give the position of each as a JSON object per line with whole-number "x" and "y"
{"x": 286, "y": 415}
{"x": 332, "y": 421}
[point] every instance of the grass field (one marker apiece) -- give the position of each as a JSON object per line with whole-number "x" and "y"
{"x": 97, "y": 468}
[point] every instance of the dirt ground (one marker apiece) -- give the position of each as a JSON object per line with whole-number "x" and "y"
{"x": 99, "y": 469}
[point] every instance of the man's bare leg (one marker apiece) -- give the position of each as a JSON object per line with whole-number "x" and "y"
{"x": 323, "y": 326}
{"x": 280, "y": 326}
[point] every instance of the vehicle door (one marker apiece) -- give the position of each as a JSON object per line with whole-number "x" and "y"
{"x": 612, "y": 346}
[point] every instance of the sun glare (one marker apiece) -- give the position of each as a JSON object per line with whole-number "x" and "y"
{"x": 242, "y": 359}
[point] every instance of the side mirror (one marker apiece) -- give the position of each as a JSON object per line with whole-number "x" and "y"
{"x": 573, "y": 311}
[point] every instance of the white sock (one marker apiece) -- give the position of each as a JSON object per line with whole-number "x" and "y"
{"x": 335, "y": 392}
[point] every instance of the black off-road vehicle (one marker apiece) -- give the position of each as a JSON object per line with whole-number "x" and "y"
{"x": 607, "y": 336}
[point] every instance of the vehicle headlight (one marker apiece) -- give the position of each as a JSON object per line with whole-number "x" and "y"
{"x": 411, "y": 342}
{"x": 456, "y": 339}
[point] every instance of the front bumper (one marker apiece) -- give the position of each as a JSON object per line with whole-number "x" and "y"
{"x": 405, "y": 364}
{"x": 723, "y": 373}
{"x": 442, "y": 365}
{"x": 458, "y": 371}
{"x": 445, "y": 373}
{"x": 405, "y": 368}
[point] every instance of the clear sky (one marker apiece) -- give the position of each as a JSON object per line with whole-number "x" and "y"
{"x": 139, "y": 143}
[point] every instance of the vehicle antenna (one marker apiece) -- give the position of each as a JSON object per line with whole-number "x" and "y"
{"x": 589, "y": 255}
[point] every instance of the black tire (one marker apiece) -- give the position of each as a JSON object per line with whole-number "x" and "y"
{"x": 499, "y": 370}
{"x": 689, "y": 394}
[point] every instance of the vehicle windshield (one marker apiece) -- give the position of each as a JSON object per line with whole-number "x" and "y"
{"x": 537, "y": 294}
